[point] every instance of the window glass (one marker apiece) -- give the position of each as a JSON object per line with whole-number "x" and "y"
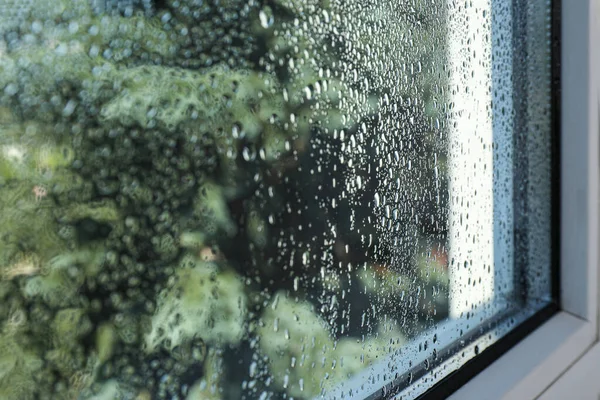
{"x": 227, "y": 199}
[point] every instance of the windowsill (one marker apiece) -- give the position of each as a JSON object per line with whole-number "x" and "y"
{"x": 535, "y": 363}
{"x": 582, "y": 376}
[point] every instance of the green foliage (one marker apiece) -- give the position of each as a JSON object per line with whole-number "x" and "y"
{"x": 201, "y": 299}
{"x": 20, "y": 362}
{"x": 305, "y": 352}
{"x": 139, "y": 149}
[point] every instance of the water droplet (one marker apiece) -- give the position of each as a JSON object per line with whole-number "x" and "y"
{"x": 73, "y": 27}
{"x": 308, "y": 93}
{"x": 377, "y": 200}
{"x": 252, "y": 370}
{"x": 249, "y": 154}
{"x": 11, "y": 89}
{"x": 266, "y": 17}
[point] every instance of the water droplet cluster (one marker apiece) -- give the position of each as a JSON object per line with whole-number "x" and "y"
{"x": 215, "y": 199}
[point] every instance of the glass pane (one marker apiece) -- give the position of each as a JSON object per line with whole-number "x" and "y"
{"x": 227, "y": 199}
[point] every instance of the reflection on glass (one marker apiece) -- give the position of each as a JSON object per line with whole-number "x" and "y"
{"x": 218, "y": 199}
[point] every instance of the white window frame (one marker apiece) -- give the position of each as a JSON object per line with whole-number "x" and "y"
{"x": 545, "y": 363}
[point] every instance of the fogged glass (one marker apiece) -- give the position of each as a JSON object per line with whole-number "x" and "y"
{"x": 227, "y": 199}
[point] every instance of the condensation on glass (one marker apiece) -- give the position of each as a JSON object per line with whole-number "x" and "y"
{"x": 241, "y": 199}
